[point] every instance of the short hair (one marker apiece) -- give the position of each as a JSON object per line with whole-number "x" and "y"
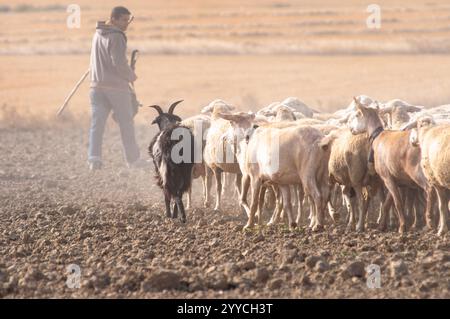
{"x": 118, "y": 11}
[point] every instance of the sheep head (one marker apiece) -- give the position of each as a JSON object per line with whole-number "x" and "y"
{"x": 363, "y": 117}
{"x": 165, "y": 120}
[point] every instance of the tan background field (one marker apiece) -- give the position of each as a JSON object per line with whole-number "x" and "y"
{"x": 250, "y": 53}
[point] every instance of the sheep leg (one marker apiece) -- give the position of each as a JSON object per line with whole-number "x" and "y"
{"x": 398, "y": 202}
{"x": 243, "y": 198}
{"x": 349, "y": 198}
{"x": 300, "y": 208}
{"x": 362, "y": 206}
{"x": 332, "y": 202}
{"x": 262, "y": 194}
{"x": 207, "y": 181}
{"x": 429, "y": 208}
{"x": 256, "y": 187}
{"x": 408, "y": 200}
{"x": 218, "y": 176}
{"x": 180, "y": 207}
{"x": 385, "y": 207}
{"x": 443, "y": 209}
{"x": 417, "y": 208}
{"x": 287, "y": 205}
{"x": 317, "y": 201}
{"x": 278, "y": 200}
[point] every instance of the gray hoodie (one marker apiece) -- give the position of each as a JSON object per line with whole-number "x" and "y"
{"x": 109, "y": 65}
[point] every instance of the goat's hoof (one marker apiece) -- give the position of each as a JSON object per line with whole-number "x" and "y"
{"x": 360, "y": 229}
{"x": 293, "y": 226}
{"x": 247, "y": 227}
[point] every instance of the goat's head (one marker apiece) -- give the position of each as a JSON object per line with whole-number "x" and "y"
{"x": 165, "y": 120}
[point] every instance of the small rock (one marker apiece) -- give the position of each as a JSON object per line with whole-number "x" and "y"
{"x": 66, "y": 210}
{"x": 353, "y": 269}
{"x": 305, "y": 281}
{"x": 322, "y": 266}
{"x": 311, "y": 261}
{"x": 427, "y": 285}
{"x": 161, "y": 279}
{"x": 398, "y": 268}
{"x": 275, "y": 283}
{"x": 248, "y": 265}
{"x": 258, "y": 238}
{"x": 289, "y": 256}
{"x": 261, "y": 275}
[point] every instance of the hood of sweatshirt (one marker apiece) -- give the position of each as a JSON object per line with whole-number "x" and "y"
{"x": 103, "y": 29}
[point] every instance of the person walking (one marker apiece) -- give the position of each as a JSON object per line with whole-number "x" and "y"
{"x": 110, "y": 76}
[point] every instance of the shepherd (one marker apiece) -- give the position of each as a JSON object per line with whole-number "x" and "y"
{"x": 111, "y": 89}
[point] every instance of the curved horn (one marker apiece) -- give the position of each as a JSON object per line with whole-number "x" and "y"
{"x": 158, "y": 108}
{"x": 172, "y": 107}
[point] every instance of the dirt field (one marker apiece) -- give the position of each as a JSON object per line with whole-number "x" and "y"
{"x": 55, "y": 213}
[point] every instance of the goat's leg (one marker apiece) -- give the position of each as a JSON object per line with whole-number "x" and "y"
{"x": 189, "y": 197}
{"x": 398, "y": 202}
{"x": 167, "y": 202}
{"x": 180, "y": 207}
{"x": 218, "y": 176}
{"x": 443, "y": 209}
{"x": 175, "y": 209}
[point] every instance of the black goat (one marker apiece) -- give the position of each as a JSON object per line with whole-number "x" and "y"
{"x": 174, "y": 177}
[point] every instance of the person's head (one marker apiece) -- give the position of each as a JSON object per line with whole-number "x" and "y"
{"x": 121, "y": 17}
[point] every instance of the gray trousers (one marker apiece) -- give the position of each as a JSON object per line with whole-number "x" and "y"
{"x": 102, "y": 102}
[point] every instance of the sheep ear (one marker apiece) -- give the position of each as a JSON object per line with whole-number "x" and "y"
{"x": 409, "y": 126}
{"x": 385, "y": 110}
{"x": 357, "y": 104}
{"x": 225, "y": 116}
{"x": 412, "y": 108}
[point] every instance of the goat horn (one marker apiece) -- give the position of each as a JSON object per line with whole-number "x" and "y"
{"x": 158, "y": 108}
{"x": 172, "y": 107}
